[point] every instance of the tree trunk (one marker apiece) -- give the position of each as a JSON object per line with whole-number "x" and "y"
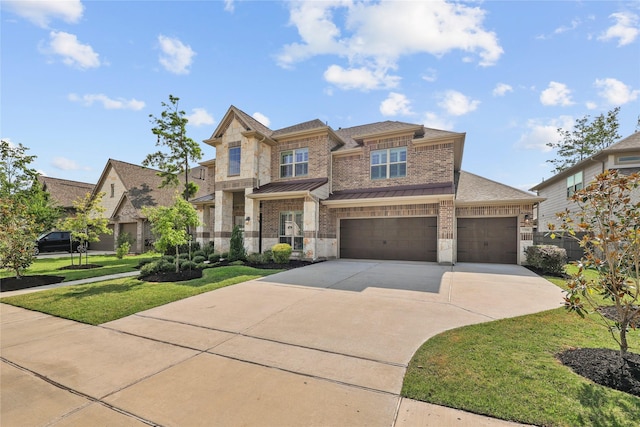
{"x": 177, "y": 260}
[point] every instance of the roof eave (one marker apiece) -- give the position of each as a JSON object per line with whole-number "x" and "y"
{"x": 387, "y": 201}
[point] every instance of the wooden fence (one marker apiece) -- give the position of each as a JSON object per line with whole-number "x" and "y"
{"x": 569, "y": 243}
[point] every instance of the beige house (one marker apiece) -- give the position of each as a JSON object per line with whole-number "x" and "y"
{"x": 127, "y": 189}
{"x": 387, "y": 190}
{"x": 623, "y": 155}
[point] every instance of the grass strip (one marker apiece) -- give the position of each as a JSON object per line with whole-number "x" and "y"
{"x": 109, "y": 300}
{"x": 507, "y": 369}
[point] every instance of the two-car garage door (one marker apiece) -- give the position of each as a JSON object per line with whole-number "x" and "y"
{"x": 411, "y": 239}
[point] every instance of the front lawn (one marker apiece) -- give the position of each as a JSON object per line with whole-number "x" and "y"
{"x": 110, "y": 264}
{"x": 113, "y": 299}
{"x": 507, "y": 369}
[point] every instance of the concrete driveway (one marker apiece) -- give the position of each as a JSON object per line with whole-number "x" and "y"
{"x": 323, "y": 345}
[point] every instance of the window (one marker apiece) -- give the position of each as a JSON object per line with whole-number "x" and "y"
{"x": 391, "y": 163}
{"x": 291, "y": 229}
{"x": 294, "y": 163}
{"x": 113, "y": 190}
{"x": 574, "y": 183}
{"x": 628, "y": 159}
{"x": 234, "y": 160}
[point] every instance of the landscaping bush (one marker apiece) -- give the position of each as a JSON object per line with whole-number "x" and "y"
{"x": 187, "y": 265}
{"x": 236, "y": 248}
{"x": 183, "y": 255}
{"x": 547, "y": 258}
{"x": 199, "y": 259}
{"x": 208, "y": 248}
{"x": 122, "y": 250}
{"x": 214, "y": 258}
{"x": 158, "y": 266}
{"x": 224, "y": 255}
{"x": 267, "y": 256}
{"x": 255, "y": 259}
{"x": 281, "y": 253}
{"x": 169, "y": 258}
{"x": 198, "y": 253}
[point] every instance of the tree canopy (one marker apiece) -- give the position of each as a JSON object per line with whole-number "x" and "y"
{"x": 170, "y": 129}
{"x": 585, "y": 139}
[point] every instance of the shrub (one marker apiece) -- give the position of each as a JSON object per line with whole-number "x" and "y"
{"x": 144, "y": 262}
{"x": 199, "y": 252}
{"x": 169, "y": 258}
{"x": 237, "y": 262}
{"x": 281, "y": 253}
{"x": 122, "y": 250}
{"x": 547, "y": 258}
{"x": 188, "y": 265}
{"x": 267, "y": 256}
{"x": 236, "y": 248}
{"x": 157, "y": 266}
{"x": 224, "y": 255}
{"x": 199, "y": 259}
{"x": 184, "y": 255}
{"x": 255, "y": 258}
{"x": 208, "y": 248}
{"x": 214, "y": 258}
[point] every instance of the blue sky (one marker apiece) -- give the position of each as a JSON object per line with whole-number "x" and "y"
{"x": 79, "y": 79}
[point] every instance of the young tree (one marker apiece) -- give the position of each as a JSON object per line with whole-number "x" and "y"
{"x": 236, "y": 245}
{"x": 16, "y": 175}
{"x": 170, "y": 128}
{"x": 610, "y": 219}
{"x": 88, "y": 222}
{"x": 585, "y": 139}
{"x": 169, "y": 225}
{"x": 17, "y": 235}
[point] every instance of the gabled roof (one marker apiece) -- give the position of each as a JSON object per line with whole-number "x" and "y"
{"x": 630, "y": 143}
{"x": 141, "y": 184}
{"x": 352, "y": 135}
{"x": 249, "y": 123}
{"x": 301, "y": 127}
{"x": 64, "y": 192}
{"x": 471, "y": 188}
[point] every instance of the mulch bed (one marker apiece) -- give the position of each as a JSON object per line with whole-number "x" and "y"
{"x": 603, "y": 366}
{"x": 80, "y": 267}
{"x": 172, "y": 276}
{"x": 13, "y": 284}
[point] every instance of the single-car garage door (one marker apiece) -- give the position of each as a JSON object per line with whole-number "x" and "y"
{"x": 411, "y": 239}
{"x": 106, "y": 242}
{"x": 490, "y": 240}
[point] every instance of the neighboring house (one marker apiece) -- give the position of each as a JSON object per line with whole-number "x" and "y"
{"x": 387, "y": 190}
{"x": 623, "y": 155}
{"x": 64, "y": 192}
{"x": 127, "y": 189}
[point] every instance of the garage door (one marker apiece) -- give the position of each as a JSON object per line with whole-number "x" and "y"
{"x": 490, "y": 240}
{"x": 105, "y": 243}
{"x": 411, "y": 239}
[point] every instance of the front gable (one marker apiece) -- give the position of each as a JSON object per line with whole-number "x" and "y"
{"x": 111, "y": 184}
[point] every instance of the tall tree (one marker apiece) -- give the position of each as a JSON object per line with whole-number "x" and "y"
{"x": 88, "y": 222}
{"x": 16, "y": 174}
{"x": 169, "y": 225}
{"x": 170, "y": 129}
{"x": 585, "y": 139}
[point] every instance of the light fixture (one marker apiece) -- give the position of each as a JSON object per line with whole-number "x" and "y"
{"x": 526, "y": 219}
{"x": 247, "y": 219}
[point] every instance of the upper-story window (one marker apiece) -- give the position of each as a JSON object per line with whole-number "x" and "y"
{"x": 390, "y": 163}
{"x": 294, "y": 163}
{"x": 113, "y": 191}
{"x": 234, "y": 161}
{"x": 574, "y": 183}
{"x": 628, "y": 159}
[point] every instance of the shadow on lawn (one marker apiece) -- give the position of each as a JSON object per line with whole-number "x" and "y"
{"x": 592, "y": 399}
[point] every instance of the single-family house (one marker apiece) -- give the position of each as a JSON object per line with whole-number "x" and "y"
{"x": 127, "y": 189}
{"x": 64, "y": 192}
{"x": 623, "y": 155}
{"x": 386, "y": 190}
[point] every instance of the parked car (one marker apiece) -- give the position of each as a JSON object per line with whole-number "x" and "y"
{"x": 56, "y": 241}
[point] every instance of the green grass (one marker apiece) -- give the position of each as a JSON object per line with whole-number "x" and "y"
{"x": 110, "y": 265}
{"x": 113, "y": 299}
{"x": 507, "y": 369}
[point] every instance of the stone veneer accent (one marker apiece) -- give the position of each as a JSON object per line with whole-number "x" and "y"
{"x": 236, "y": 184}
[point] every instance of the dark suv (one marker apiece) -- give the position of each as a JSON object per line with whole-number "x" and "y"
{"x": 55, "y": 241}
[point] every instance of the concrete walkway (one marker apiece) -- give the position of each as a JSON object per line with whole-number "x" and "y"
{"x": 322, "y": 345}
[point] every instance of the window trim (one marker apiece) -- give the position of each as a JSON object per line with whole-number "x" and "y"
{"x": 627, "y": 159}
{"x": 387, "y": 162}
{"x": 575, "y": 185}
{"x": 294, "y": 163}
{"x": 229, "y": 171}
{"x": 292, "y": 238}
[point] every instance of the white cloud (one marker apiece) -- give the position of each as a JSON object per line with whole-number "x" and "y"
{"x": 591, "y": 105}
{"x": 41, "y": 13}
{"x": 199, "y": 117}
{"x": 176, "y": 57}
{"x": 556, "y": 94}
{"x": 229, "y": 5}
{"x": 457, "y": 104}
{"x": 396, "y": 103}
{"x": 262, "y": 118}
{"x": 434, "y": 121}
{"x": 616, "y": 92}
{"x": 625, "y": 29}
{"x": 73, "y": 53}
{"x": 430, "y": 76}
{"x": 373, "y": 36}
{"x": 564, "y": 28}
{"x": 501, "y": 89}
{"x": 539, "y": 133}
{"x": 107, "y": 103}
{"x": 360, "y": 78}
{"x": 67, "y": 164}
